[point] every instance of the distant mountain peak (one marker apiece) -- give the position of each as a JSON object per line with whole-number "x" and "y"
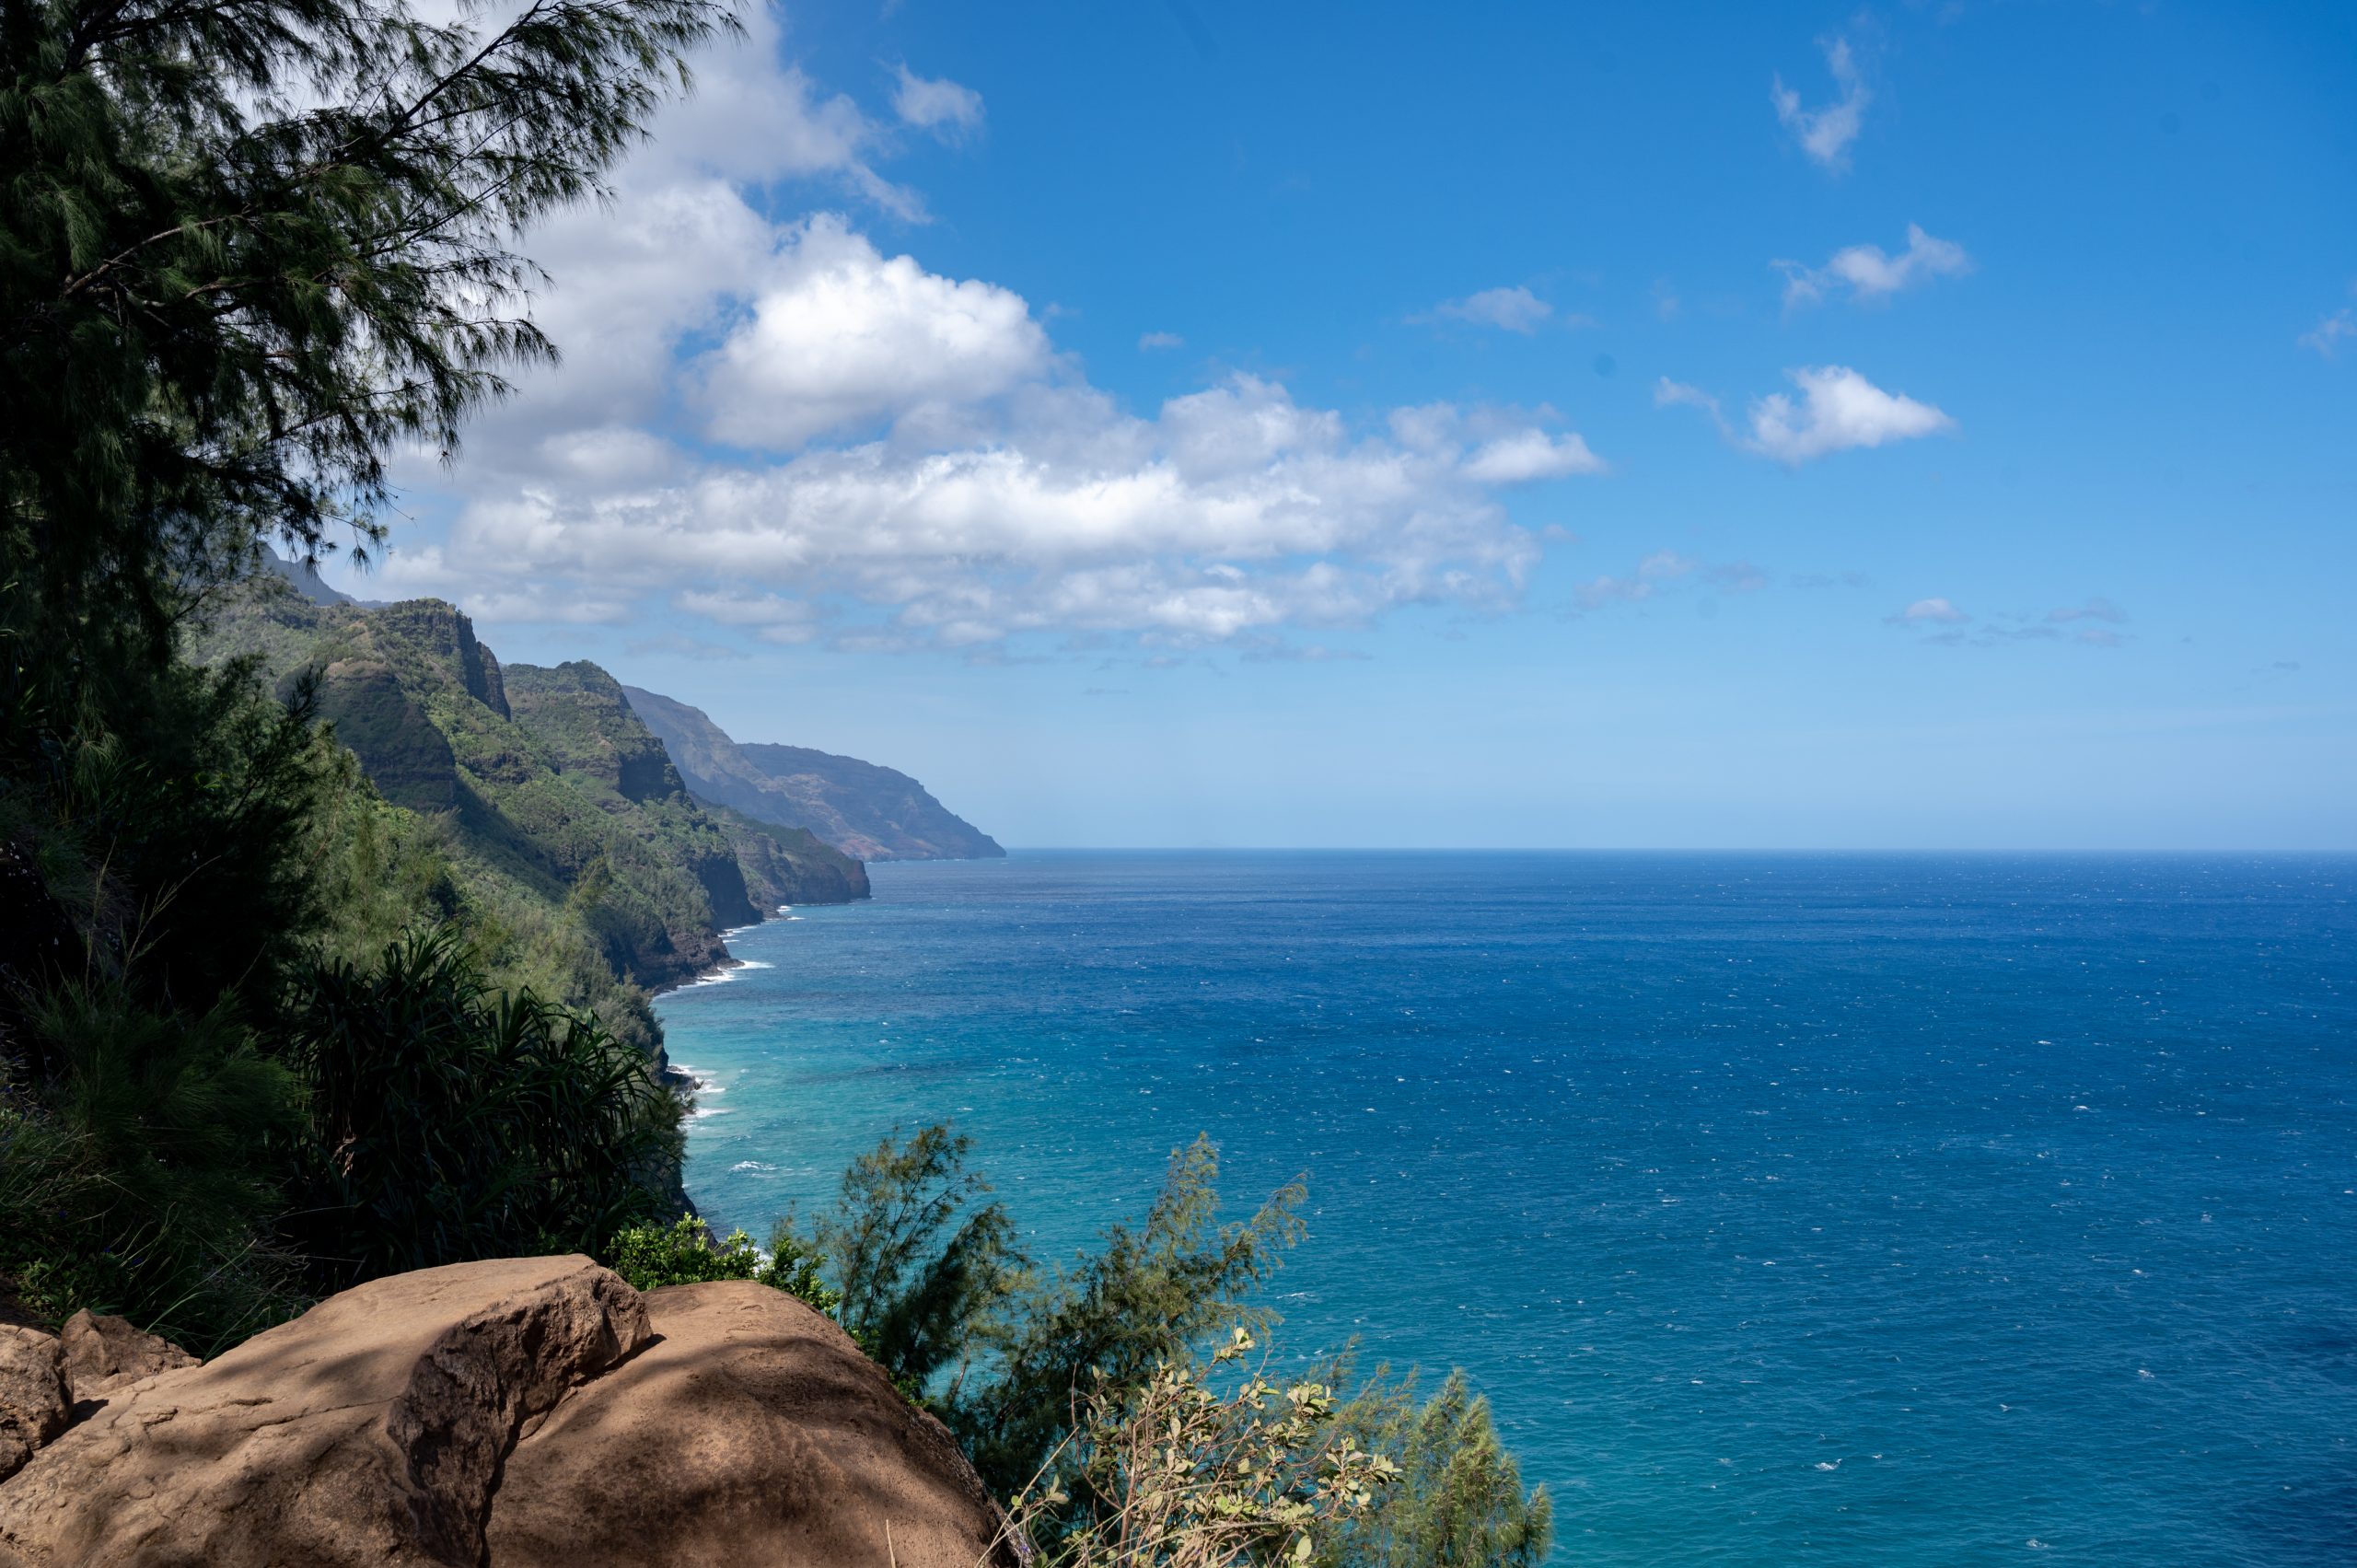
{"x": 303, "y": 576}
{"x": 863, "y": 809}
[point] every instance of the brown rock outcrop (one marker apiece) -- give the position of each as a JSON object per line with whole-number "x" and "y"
{"x": 103, "y": 1354}
{"x": 515, "y": 1413}
{"x": 368, "y": 1431}
{"x": 751, "y": 1433}
{"x": 33, "y": 1401}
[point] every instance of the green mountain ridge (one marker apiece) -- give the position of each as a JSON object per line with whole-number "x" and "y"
{"x": 876, "y": 813}
{"x": 559, "y": 811}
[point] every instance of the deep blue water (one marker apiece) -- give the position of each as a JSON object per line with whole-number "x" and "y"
{"x": 1791, "y": 1209}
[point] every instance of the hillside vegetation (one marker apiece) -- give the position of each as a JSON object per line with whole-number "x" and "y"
{"x": 555, "y": 806}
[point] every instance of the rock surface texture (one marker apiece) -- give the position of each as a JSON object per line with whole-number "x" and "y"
{"x": 103, "y": 1354}
{"x": 508, "y": 1413}
{"x": 33, "y": 1399}
{"x": 750, "y": 1434}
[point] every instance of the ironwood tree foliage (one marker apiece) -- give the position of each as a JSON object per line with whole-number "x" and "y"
{"x": 250, "y": 248}
{"x": 251, "y": 251}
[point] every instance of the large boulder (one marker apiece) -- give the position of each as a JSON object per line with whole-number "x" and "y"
{"x": 103, "y": 1354}
{"x": 506, "y": 1414}
{"x": 368, "y": 1431}
{"x": 751, "y": 1433}
{"x": 33, "y": 1399}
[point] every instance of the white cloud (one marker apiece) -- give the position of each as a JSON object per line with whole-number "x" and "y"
{"x": 1148, "y": 342}
{"x": 940, "y": 106}
{"x": 2330, "y": 332}
{"x": 767, "y": 616}
{"x": 678, "y": 250}
{"x": 1839, "y": 410}
{"x": 1235, "y": 510}
{"x": 1826, "y": 134}
{"x": 2093, "y": 610}
{"x": 1929, "y": 613}
{"x": 839, "y": 337}
{"x": 1515, "y": 309}
{"x": 993, "y": 494}
{"x": 1671, "y": 394}
{"x": 1529, "y": 455}
{"x": 785, "y": 431}
{"x": 1872, "y": 276}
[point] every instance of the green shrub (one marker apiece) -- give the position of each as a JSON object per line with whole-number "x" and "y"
{"x": 927, "y": 1264}
{"x": 1457, "y": 1496}
{"x": 1206, "y": 1466}
{"x": 138, "y": 1180}
{"x": 684, "y": 1253}
{"x": 450, "y": 1123}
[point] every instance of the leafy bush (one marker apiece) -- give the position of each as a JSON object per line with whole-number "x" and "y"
{"x": 1458, "y": 1497}
{"x": 1148, "y": 1296}
{"x": 925, "y": 1270}
{"x": 1082, "y": 1395}
{"x": 138, "y": 1180}
{"x": 683, "y": 1252}
{"x": 450, "y": 1123}
{"x": 1196, "y": 1479}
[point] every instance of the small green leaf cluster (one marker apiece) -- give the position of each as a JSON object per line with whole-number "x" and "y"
{"x": 684, "y": 1253}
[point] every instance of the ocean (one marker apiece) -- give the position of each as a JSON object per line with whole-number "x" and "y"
{"x": 1789, "y": 1208}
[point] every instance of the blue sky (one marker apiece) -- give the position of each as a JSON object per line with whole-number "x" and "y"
{"x": 1209, "y": 424}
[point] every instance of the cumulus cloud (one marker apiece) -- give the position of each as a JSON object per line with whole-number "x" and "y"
{"x": 1825, "y": 134}
{"x": 841, "y": 336}
{"x": 2330, "y": 332}
{"x": 916, "y": 452}
{"x": 1870, "y": 275}
{"x": 1529, "y": 454}
{"x": 1515, "y": 309}
{"x": 782, "y": 431}
{"x": 1839, "y": 408}
{"x": 1233, "y": 510}
{"x": 1148, "y": 342}
{"x": 940, "y": 106}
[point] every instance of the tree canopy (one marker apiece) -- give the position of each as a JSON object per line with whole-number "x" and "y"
{"x": 250, "y": 249}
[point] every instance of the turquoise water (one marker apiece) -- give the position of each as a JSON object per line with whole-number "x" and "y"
{"x": 1791, "y": 1209}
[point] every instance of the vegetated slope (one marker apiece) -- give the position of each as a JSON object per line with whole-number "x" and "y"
{"x": 873, "y": 812}
{"x": 787, "y": 865}
{"x": 556, "y": 799}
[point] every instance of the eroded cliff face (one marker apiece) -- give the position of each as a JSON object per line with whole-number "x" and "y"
{"x": 549, "y": 786}
{"x": 872, "y": 812}
{"x": 529, "y": 1412}
{"x": 789, "y": 866}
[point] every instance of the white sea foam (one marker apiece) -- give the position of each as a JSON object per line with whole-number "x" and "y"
{"x": 753, "y": 964}
{"x": 752, "y": 1165}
